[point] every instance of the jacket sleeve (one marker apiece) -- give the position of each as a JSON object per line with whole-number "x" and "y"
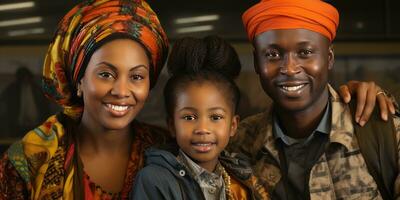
{"x": 12, "y": 186}
{"x": 154, "y": 182}
{"x": 396, "y": 121}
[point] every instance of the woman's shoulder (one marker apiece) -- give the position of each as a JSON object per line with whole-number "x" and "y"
{"x": 36, "y": 148}
{"x": 12, "y": 184}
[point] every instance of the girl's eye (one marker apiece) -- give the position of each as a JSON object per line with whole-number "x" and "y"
{"x": 105, "y": 75}
{"x": 137, "y": 77}
{"x": 216, "y": 117}
{"x": 189, "y": 117}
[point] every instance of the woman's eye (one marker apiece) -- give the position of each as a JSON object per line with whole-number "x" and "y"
{"x": 105, "y": 75}
{"x": 137, "y": 77}
{"x": 189, "y": 117}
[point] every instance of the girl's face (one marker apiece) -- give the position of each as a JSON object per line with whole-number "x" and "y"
{"x": 203, "y": 121}
{"x": 115, "y": 85}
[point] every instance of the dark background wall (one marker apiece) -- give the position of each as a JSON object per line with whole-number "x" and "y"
{"x": 367, "y": 46}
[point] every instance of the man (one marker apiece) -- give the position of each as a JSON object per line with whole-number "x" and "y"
{"x": 304, "y": 147}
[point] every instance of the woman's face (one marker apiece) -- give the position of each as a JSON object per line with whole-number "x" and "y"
{"x": 115, "y": 85}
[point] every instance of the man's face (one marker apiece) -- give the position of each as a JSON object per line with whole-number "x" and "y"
{"x": 293, "y": 66}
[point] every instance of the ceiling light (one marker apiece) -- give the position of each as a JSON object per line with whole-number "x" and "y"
{"x": 21, "y": 21}
{"x": 25, "y": 32}
{"x": 203, "y": 18}
{"x": 14, "y": 6}
{"x": 195, "y": 29}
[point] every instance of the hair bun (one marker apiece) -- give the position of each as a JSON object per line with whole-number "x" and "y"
{"x": 212, "y": 53}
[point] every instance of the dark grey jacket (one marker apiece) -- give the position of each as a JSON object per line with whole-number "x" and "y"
{"x": 164, "y": 178}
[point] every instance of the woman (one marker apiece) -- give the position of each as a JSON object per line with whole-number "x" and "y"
{"x": 104, "y": 59}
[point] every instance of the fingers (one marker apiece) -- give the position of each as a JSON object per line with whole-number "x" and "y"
{"x": 383, "y": 106}
{"x": 362, "y": 92}
{"x": 345, "y": 93}
{"x": 369, "y": 99}
{"x": 390, "y": 104}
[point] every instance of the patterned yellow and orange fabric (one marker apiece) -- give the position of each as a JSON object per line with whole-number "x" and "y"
{"x": 85, "y": 26}
{"x": 44, "y": 165}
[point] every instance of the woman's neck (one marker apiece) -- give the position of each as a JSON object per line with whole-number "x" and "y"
{"x": 95, "y": 140}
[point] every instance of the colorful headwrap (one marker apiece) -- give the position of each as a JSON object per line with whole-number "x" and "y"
{"x": 82, "y": 29}
{"x": 314, "y": 15}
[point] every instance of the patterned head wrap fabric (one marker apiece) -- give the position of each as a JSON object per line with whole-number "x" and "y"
{"x": 85, "y": 27}
{"x": 314, "y": 15}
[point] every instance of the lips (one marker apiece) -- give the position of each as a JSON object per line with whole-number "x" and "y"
{"x": 293, "y": 89}
{"x": 117, "y": 110}
{"x": 203, "y": 146}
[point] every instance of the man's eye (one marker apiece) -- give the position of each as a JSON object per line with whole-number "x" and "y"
{"x": 272, "y": 55}
{"x": 305, "y": 53}
{"x": 189, "y": 117}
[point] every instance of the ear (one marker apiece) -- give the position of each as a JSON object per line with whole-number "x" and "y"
{"x": 171, "y": 127}
{"x": 331, "y": 57}
{"x": 256, "y": 63}
{"x": 234, "y": 125}
{"x": 79, "y": 89}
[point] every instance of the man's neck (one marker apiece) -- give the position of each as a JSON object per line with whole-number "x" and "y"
{"x": 301, "y": 124}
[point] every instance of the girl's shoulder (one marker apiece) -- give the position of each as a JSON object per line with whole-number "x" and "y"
{"x": 164, "y": 177}
{"x": 157, "y": 180}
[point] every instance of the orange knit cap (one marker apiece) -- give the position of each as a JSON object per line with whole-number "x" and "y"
{"x": 314, "y": 15}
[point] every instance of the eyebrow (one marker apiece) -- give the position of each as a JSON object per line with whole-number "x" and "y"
{"x": 304, "y": 43}
{"x": 210, "y": 109}
{"x": 187, "y": 108}
{"x": 217, "y": 108}
{"x": 277, "y": 46}
{"x": 115, "y": 68}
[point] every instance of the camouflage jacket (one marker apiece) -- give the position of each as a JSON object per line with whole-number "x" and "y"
{"x": 340, "y": 173}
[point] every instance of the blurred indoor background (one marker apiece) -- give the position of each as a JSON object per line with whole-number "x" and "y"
{"x": 367, "y": 48}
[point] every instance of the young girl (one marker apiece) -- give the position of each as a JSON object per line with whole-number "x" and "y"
{"x": 201, "y": 100}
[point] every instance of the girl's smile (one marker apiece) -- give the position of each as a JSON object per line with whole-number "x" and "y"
{"x": 203, "y": 122}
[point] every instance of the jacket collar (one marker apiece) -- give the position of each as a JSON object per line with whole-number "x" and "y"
{"x": 342, "y": 130}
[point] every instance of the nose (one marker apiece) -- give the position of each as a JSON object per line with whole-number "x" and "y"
{"x": 120, "y": 88}
{"x": 202, "y": 127}
{"x": 290, "y": 65}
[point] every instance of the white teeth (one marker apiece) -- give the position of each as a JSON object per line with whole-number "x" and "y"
{"x": 117, "y": 108}
{"x": 292, "y": 88}
{"x": 202, "y": 144}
